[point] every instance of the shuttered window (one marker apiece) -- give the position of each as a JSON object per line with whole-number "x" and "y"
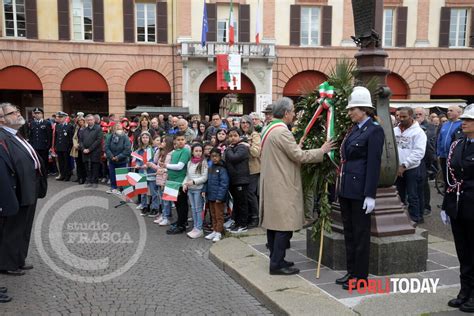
{"x": 82, "y": 20}
{"x": 244, "y": 24}
{"x": 310, "y": 26}
{"x": 63, "y": 20}
{"x": 211, "y": 22}
{"x": 458, "y": 28}
{"x": 295, "y": 25}
{"x": 388, "y": 27}
{"x": 401, "y": 30}
{"x": 145, "y": 22}
{"x": 15, "y": 18}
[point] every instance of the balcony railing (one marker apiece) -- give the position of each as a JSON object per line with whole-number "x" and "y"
{"x": 211, "y": 49}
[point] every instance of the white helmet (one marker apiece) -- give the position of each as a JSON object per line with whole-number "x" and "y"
{"x": 468, "y": 112}
{"x": 360, "y": 97}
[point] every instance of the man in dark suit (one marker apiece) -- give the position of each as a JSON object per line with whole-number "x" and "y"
{"x": 91, "y": 147}
{"x": 40, "y": 134}
{"x": 9, "y": 205}
{"x": 28, "y": 171}
{"x": 63, "y": 133}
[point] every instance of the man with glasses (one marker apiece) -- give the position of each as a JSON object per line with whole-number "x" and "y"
{"x": 29, "y": 173}
{"x": 216, "y": 123}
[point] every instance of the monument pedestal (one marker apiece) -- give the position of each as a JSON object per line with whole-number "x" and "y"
{"x": 388, "y": 255}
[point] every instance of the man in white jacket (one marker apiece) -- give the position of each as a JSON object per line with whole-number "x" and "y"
{"x": 411, "y": 144}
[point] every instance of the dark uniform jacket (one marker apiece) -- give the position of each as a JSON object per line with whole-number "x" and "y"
{"x": 9, "y": 204}
{"x": 462, "y": 164}
{"x": 91, "y": 138}
{"x": 23, "y": 164}
{"x": 362, "y": 152}
{"x": 63, "y": 137}
{"x": 40, "y": 134}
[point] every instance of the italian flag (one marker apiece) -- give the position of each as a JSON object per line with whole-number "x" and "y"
{"x": 141, "y": 187}
{"x": 133, "y": 178}
{"x": 129, "y": 192}
{"x": 258, "y": 32}
{"x": 137, "y": 156}
{"x": 223, "y": 74}
{"x": 121, "y": 176}
{"x": 171, "y": 191}
{"x": 231, "y": 25}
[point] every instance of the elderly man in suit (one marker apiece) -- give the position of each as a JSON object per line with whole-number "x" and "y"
{"x": 90, "y": 145}
{"x": 29, "y": 173}
{"x": 281, "y": 206}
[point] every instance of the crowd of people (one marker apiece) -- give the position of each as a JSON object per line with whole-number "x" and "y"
{"x": 225, "y": 170}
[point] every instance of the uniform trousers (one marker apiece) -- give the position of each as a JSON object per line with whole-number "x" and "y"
{"x": 63, "y": 162}
{"x": 463, "y": 232}
{"x": 278, "y": 242}
{"x": 356, "y": 237}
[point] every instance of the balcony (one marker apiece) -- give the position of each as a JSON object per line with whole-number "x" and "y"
{"x": 246, "y": 50}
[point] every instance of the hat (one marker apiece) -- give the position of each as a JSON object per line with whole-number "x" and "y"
{"x": 468, "y": 112}
{"x": 38, "y": 110}
{"x": 80, "y": 114}
{"x": 268, "y": 109}
{"x": 360, "y": 97}
{"x": 61, "y": 114}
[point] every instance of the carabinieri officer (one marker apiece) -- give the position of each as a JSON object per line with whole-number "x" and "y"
{"x": 361, "y": 153}
{"x": 458, "y": 205}
{"x": 40, "y": 134}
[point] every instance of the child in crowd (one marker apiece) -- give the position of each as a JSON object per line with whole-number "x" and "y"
{"x": 176, "y": 173}
{"x": 221, "y": 140}
{"x": 153, "y": 190}
{"x": 145, "y": 151}
{"x": 196, "y": 176}
{"x": 207, "y": 153}
{"x": 164, "y": 156}
{"x": 216, "y": 193}
{"x": 237, "y": 163}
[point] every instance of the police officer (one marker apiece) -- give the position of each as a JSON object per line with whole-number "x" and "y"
{"x": 63, "y": 133}
{"x": 457, "y": 204}
{"x": 40, "y": 134}
{"x": 361, "y": 153}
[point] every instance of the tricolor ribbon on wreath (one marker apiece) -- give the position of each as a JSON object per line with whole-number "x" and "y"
{"x": 325, "y": 101}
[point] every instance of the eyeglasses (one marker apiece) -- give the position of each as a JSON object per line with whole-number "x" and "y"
{"x": 244, "y": 122}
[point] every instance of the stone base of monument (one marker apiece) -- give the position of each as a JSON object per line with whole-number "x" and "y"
{"x": 388, "y": 255}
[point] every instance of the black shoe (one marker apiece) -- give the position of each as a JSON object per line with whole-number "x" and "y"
{"x": 468, "y": 307}
{"x": 153, "y": 213}
{"x": 5, "y": 298}
{"x": 82, "y": 181}
{"x": 253, "y": 223}
{"x": 345, "y": 286}
{"x": 457, "y": 302}
{"x": 60, "y": 179}
{"x": 26, "y": 267}
{"x": 145, "y": 211}
{"x": 287, "y": 264}
{"x": 427, "y": 213}
{"x": 175, "y": 230}
{"x": 68, "y": 178}
{"x": 3, "y": 290}
{"x": 285, "y": 271}
{"x": 17, "y": 272}
{"x": 344, "y": 279}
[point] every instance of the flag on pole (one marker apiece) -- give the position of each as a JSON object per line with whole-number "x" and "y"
{"x": 258, "y": 32}
{"x": 141, "y": 187}
{"x": 231, "y": 25}
{"x": 129, "y": 192}
{"x": 171, "y": 191}
{"x": 133, "y": 178}
{"x": 137, "y": 156}
{"x": 121, "y": 176}
{"x": 204, "y": 26}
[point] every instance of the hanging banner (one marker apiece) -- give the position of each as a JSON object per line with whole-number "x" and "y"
{"x": 228, "y": 71}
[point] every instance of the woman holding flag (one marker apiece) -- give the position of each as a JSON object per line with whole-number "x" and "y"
{"x": 361, "y": 153}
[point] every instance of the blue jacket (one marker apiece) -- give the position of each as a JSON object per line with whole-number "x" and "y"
{"x": 217, "y": 183}
{"x": 445, "y": 138}
{"x": 362, "y": 152}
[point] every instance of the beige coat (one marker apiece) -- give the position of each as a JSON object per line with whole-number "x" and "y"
{"x": 75, "y": 144}
{"x": 254, "y": 151}
{"x": 281, "y": 188}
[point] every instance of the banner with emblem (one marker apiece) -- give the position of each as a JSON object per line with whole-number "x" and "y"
{"x": 229, "y": 69}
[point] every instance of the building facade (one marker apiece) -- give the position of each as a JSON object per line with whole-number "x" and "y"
{"x": 107, "y": 56}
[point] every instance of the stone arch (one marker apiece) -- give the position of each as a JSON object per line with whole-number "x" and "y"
{"x": 398, "y": 85}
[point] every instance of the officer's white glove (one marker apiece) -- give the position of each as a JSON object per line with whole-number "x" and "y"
{"x": 369, "y": 205}
{"x": 445, "y": 218}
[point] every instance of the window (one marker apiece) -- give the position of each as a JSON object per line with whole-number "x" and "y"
{"x": 15, "y": 18}
{"x": 310, "y": 26}
{"x": 223, "y": 31}
{"x": 457, "y": 28}
{"x": 82, "y": 20}
{"x": 388, "y": 27}
{"x": 146, "y": 22}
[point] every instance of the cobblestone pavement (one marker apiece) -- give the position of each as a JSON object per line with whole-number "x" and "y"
{"x": 172, "y": 276}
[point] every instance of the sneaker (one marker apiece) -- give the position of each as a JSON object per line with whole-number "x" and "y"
{"x": 158, "y": 219}
{"x": 217, "y": 237}
{"x": 153, "y": 213}
{"x": 229, "y": 223}
{"x": 231, "y": 227}
{"x": 109, "y": 191}
{"x": 164, "y": 222}
{"x": 139, "y": 207}
{"x": 175, "y": 230}
{"x": 195, "y": 233}
{"x": 117, "y": 192}
{"x": 239, "y": 230}
{"x": 211, "y": 235}
{"x": 145, "y": 211}
{"x": 427, "y": 213}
